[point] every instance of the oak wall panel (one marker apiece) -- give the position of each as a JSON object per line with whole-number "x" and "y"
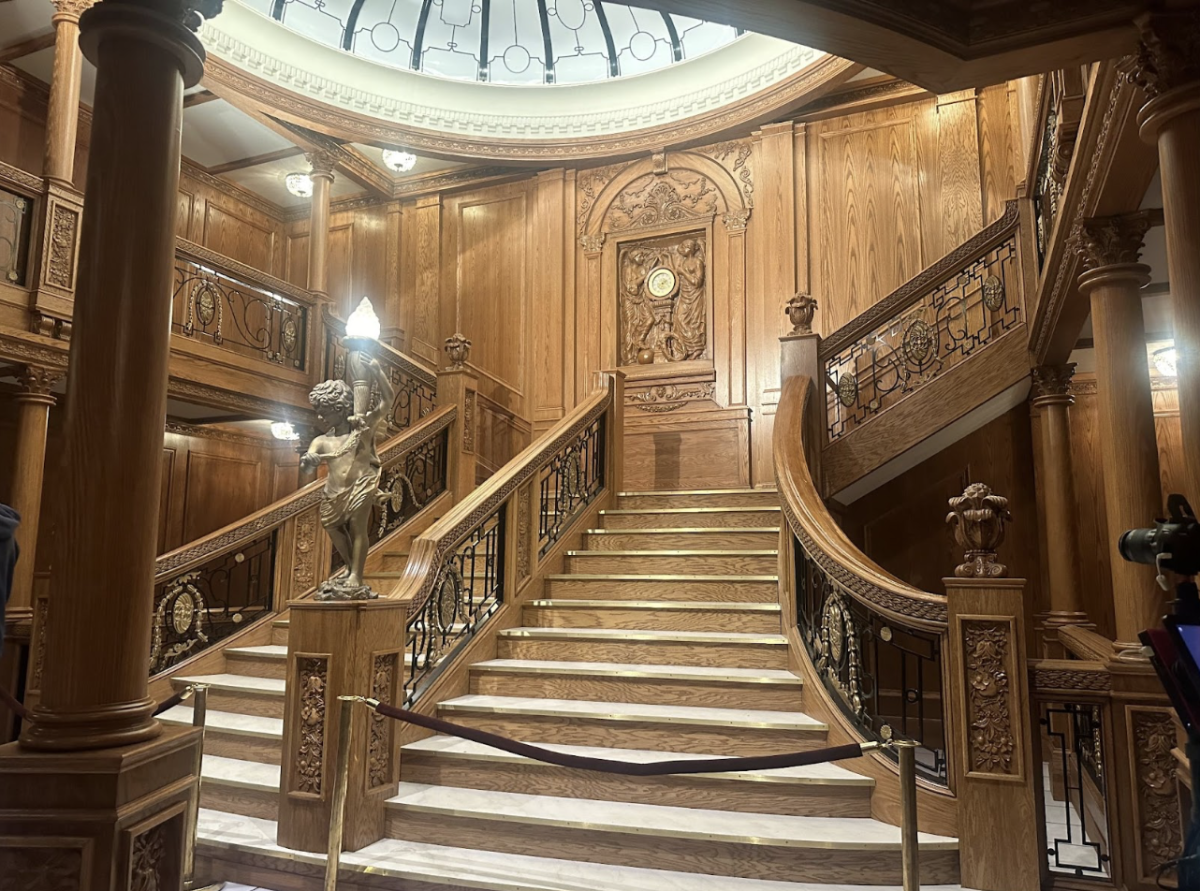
{"x": 999, "y": 148}
{"x": 236, "y": 234}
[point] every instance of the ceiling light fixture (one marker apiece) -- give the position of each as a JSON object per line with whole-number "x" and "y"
{"x": 299, "y": 184}
{"x": 1165, "y": 361}
{"x": 399, "y": 160}
{"x": 285, "y": 431}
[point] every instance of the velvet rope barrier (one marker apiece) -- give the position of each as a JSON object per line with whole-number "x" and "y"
{"x": 625, "y": 768}
{"x": 13, "y": 705}
{"x": 173, "y": 700}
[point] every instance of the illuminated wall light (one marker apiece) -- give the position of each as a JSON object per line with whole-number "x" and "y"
{"x": 363, "y": 322}
{"x": 299, "y": 184}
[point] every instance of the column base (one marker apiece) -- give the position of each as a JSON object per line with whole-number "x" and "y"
{"x": 99, "y": 821}
{"x": 126, "y": 724}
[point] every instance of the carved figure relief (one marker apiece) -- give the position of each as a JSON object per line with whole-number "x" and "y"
{"x": 664, "y": 299}
{"x": 148, "y": 871}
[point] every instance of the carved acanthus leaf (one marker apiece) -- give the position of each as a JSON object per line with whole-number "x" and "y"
{"x": 38, "y": 381}
{"x": 1169, "y": 54}
{"x": 1158, "y": 788}
{"x": 1053, "y": 381}
{"x": 978, "y": 518}
{"x": 1115, "y": 240}
{"x": 322, "y": 162}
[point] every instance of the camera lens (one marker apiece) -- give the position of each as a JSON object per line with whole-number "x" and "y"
{"x": 1139, "y": 545}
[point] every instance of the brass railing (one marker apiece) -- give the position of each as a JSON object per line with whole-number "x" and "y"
{"x": 465, "y": 567}
{"x": 934, "y": 322}
{"x": 212, "y": 588}
{"x": 875, "y": 643}
{"x": 415, "y": 385}
{"x": 238, "y": 308}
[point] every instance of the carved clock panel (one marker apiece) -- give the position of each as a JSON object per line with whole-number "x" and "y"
{"x": 663, "y": 299}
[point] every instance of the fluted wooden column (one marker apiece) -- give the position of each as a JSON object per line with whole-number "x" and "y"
{"x": 1169, "y": 69}
{"x": 1114, "y": 278}
{"x": 29, "y": 462}
{"x": 1052, "y": 397}
{"x": 322, "y": 165}
{"x": 62, "y": 115}
{"x": 97, "y": 645}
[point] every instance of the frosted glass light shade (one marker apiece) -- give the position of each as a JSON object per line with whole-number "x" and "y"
{"x": 399, "y": 161}
{"x": 299, "y": 184}
{"x": 285, "y": 431}
{"x": 363, "y": 322}
{"x": 1165, "y": 360}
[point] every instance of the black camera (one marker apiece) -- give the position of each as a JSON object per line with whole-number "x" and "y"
{"x": 1173, "y": 543}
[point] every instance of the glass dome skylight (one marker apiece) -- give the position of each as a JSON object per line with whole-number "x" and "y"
{"x": 504, "y": 41}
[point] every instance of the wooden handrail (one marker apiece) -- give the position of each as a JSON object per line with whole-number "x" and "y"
{"x": 917, "y": 287}
{"x": 819, "y": 533}
{"x": 276, "y": 514}
{"x": 20, "y": 180}
{"x": 197, "y": 253}
{"x": 430, "y": 550}
{"x": 387, "y": 354}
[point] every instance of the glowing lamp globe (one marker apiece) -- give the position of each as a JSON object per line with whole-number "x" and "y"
{"x": 299, "y": 184}
{"x": 363, "y": 323}
{"x": 399, "y": 161}
{"x": 285, "y": 431}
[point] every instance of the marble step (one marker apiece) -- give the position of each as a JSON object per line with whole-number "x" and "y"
{"x": 631, "y": 725}
{"x": 689, "y": 517}
{"x": 238, "y": 693}
{"x": 699, "y": 498}
{"x": 655, "y": 586}
{"x": 728, "y": 538}
{"x": 241, "y": 787}
{"x": 821, "y": 790}
{"x": 715, "y": 648}
{"x": 617, "y": 682}
{"x": 238, "y": 842}
{"x": 758, "y": 846}
{"x": 693, "y": 561}
{"x": 268, "y": 661}
{"x": 234, "y": 735}
{"x": 647, "y": 615}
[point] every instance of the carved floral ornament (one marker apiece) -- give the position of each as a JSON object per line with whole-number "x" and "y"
{"x": 1169, "y": 54}
{"x": 1115, "y": 240}
{"x": 977, "y": 517}
{"x": 800, "y": 310}
{"x": 1052, "y": 383}
{"x": 458, "y": 350}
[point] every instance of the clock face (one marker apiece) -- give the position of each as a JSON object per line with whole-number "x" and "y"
{"x": 660, "y": 282}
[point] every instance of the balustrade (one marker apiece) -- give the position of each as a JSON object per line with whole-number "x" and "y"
{"x": 16, "y": 225}
{"x": 935, "y": 322}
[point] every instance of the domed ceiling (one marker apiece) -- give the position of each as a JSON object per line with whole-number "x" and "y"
{"x": 519, "y": 42}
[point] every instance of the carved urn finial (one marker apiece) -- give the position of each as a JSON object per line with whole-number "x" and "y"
{"x": 458, "y": 348}
{"x": 800, "y": 310}
{"x": 978, "y": 519}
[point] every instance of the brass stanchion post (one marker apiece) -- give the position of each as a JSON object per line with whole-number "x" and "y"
{"x": 337, "y": 819}
{"x": 199, "y": 718}
{"x": 911, "y": 874}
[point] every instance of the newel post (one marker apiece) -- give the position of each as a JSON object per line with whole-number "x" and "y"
{"x": 458, "y": 385}
{"x": 615, "y": 444}
{"x": 340, "y": 648}
{"x": 996, "y": 776}
{"x": 800, "y": 354}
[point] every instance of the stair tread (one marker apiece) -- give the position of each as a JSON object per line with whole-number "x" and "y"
{"x": 852, "y": 833}
{"x": 688, "y": 510}
{"x": 624, "y": 634}
{"x": 271, "y": 651}
{"x": 667, "y": 493}
{"x": 697, "y": 530}
{"x": 638, "y": 577}
{"x": 813, "y": 774}
{"x": 242, "y": 682}
{"x": 721, "y": 552}
{"x": 228, "y": 722}
{"x": 633, "y": 711}
{"x": 244, "y": 774}
{"x": 492, "y": 870}
{"x": 654, "y": 605}
{"x": 669, "y": 672}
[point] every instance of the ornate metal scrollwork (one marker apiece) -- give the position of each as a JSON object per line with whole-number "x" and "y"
{"x": 570, "y": 482}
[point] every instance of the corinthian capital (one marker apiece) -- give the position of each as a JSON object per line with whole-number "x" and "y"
{"x": 1117, "y": 240}
{"x": 322, "y": 161}
{"x": 1052, "y": 383}
{"x": 70, "y": 9}
{"x": 38, "y": 381}
{"x": 1169, "y": 54}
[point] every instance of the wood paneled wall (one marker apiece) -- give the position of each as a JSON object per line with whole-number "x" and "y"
{"x": 358, "y": 257}
{"x": 23, "y": 125}
{"x": 218, "y": 220}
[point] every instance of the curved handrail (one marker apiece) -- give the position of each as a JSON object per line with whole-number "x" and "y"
{"x": 276, "y": 514}
{"x": 818, "y": 532}
{"x": 430, "y": 549}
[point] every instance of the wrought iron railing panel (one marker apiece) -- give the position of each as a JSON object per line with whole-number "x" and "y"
{"x": 887, "y": 679}
{"x": 206, "y": 604}
{"x": 237, "y": 315}
{"x": 947, "y": 324}
{"x": 416, "y": 389}
{"x": 468, "y": 589}
{"x": 406, "y": 486}
{"x": 16, "y": 223}
{"x": 569, "y": 482}
{"x": 1047, "y": 187}
{"x": 1074, "y": 761}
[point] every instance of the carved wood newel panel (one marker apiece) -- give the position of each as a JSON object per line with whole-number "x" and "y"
{"x": 308, "y": 766}
{"x": 663, "y": 302}
{"x": 991, "y": 705}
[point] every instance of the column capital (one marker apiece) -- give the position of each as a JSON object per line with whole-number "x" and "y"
{"x": 322, "y": 162}
{"x": 36, "y": 383}
{"x": 1116, "y": 240}
{"x": 170, "y": 24}
{"x": 70, "y": 10}
{"x": 1168, "y": 55}
{"x": 1052, "y": 385}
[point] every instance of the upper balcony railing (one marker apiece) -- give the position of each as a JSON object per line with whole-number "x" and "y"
{"x": 19, "y": 193}
{"x": 1060, "y": 106}
{"x": 931, "y": 324}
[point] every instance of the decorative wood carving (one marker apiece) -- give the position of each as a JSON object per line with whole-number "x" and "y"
{"x": 313, "y": 675}
{"x": 322, "y": 162}
{"x": 668, "y": 398}
{"x": 304, "y": 560}
{"x": 800, "y": 310}
{"x": 41, "y": 610}
{"x": 28, "y": 867}
{"x": 664, "y": 299}
{"x": 524, "y": 528}
{"x": 1157, "y": 784}
{"x": 64, "y": 232}
{"x": 989, "y": 706}
{"x": 458, "y": 350}
{"x": 468, "y": 436}
{"x": 38, "y": 381}
{"x": 150, "y": 867}
{"x": 978, "y": 519}
{"x": 592, "y": 244}
{"x": 1115, "y": 240}
{"x": 650, "y": 201}
{"x": 1169, "y": 55}
{"x": 1071, "y": 679}
{"x": 379, "y": 747}
{"x": 735, "y": 156}
{"x": 1052, "y": 383}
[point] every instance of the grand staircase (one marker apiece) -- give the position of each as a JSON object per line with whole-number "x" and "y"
{"x": 661, "y": 640}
